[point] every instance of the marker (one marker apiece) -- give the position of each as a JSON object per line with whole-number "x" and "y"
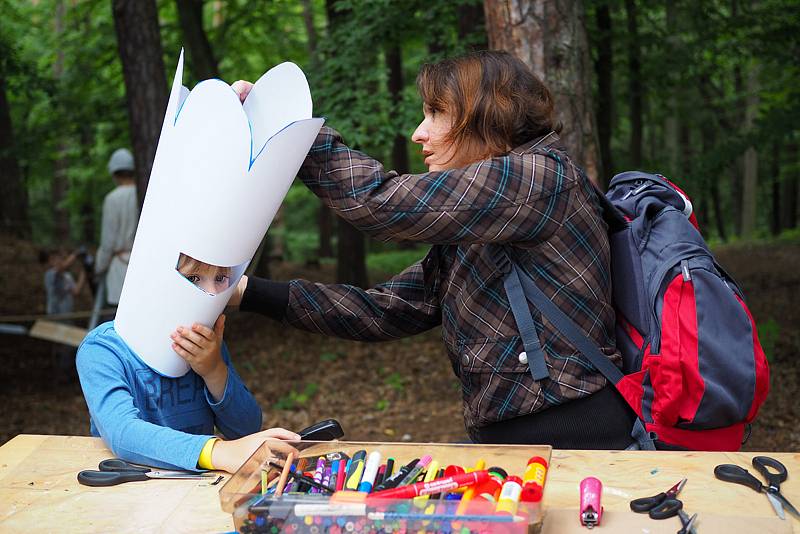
{"x": 411, "y": 476}
{"x": 435, "y": 486}
{"x": 509, "y": 496}
{"x": 469, "y": 493}
{"x": 355, "y": 470}
{"x": 389, "y": 468}
{"x": 392, "y": 481}
{"x": 340, "y": 476}
{"x": 380, "y": 475}
{"x": 373, "y": 461}
{"x": 319, "y": 472}
{"x": 430, "y": 476}
{"x": 334, "y": 473}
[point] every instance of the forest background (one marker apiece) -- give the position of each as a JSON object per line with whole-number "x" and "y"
{"x": 703, "y": 92}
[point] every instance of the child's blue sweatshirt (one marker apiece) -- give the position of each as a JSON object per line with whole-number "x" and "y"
{"x": 151, "y": 419}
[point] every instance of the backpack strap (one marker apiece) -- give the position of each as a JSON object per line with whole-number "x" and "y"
{"x": 522, "y": 315}
{"x": 567, "y": 327}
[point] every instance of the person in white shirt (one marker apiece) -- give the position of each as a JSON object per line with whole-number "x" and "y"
{"x": 120, "y": 217}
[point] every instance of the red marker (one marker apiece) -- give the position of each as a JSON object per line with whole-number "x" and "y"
{"x": 434, "y": 486}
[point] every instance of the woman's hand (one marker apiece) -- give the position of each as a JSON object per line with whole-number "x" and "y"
{"x": 201, "y": 348}
{"x": 230, "y": 455}
{"x": 242, "y": 88}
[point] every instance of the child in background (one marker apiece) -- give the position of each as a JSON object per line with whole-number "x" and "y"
{"x": 155, "y": 420}
{"x": 60, "y": 292}
{"x": 60, "y": 287}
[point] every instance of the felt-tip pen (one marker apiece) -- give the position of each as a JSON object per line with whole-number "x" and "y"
{"x": 412, "y": 475}
{"x": 436, "y": 486}
{"x": 355, "y": 470}
{"x": 394, "y": 480}
{"x": 373, "y": 461}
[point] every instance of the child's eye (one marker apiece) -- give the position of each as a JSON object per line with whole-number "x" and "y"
{"x": 193, "y": 278}
{"x": 220, "y": 278}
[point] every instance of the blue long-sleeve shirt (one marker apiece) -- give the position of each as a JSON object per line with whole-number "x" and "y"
{"x": 147, "y": 418}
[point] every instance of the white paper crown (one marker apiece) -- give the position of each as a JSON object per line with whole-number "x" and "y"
{"x": 220, "y": 173}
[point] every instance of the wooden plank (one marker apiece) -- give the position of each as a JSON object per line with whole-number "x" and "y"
{"x": 60, "y": 333}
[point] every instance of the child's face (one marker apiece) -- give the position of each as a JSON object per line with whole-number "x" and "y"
{"x": 209, "y": 278}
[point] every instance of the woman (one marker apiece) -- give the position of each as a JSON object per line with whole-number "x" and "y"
{"x": 497, "y": 175}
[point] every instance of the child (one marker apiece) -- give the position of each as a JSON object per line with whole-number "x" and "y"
{"x": 60, "y": 290}
{"x": 156, "y": 420}
{"x": 60, "y": 287}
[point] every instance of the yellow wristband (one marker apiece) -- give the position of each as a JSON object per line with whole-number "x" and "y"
{"x": 204, "y": 462}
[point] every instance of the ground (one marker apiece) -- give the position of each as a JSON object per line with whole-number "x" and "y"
{"x": 401, "y": 390}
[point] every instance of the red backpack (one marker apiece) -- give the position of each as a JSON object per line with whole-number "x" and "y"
{"x": 693, "y": 369}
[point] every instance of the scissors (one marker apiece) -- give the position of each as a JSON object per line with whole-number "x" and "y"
{"x": 740, "y": 475}
{"x": 116, "y": 471}
{"x": 664, "y": 505}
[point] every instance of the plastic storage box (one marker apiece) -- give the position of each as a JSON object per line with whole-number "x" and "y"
{"x": 251, "y": 494}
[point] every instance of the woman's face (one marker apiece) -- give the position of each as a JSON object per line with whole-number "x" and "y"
{"x": 439, "y": 153}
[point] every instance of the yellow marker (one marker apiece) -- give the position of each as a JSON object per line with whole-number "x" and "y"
{"x": 469, "y": 493}
{"x": 352, "y": 482}
{"x": 430, "y": 474}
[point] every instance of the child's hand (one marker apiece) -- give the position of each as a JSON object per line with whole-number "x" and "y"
{"x": 201, "y": 347}
{"x": 230, "y": 455}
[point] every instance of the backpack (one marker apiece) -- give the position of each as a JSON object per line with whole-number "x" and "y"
{"x": 693, "y": 369}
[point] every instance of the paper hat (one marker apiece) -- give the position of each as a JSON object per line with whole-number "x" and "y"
{"x": 220, "y": 173}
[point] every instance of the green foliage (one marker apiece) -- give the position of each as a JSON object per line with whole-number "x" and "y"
{"x": 394, "y": 261}
{"x": 297, "y": 399}
{"x": 768, "y": 333}
{"x": 381, "y": 405}
{"x": 395, "y": 381}
{"x": 329, "y": 356}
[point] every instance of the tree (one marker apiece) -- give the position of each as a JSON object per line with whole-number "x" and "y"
{"x": 139, "y": 44}
{"x": 351, "y": 265}
{"x": 634, "y": 84}
{"x": 201, "y": 56}
{"x": 604, "y": 67}
{"x": 550, "y": 37}
{"x": 14, "y": 200}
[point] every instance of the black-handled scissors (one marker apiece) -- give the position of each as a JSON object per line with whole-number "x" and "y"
{"x": 116, "y": 471}
{"x": 740, "y": 475}
{"x": 661, "y": 506}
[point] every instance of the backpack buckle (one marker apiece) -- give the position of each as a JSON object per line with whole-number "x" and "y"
{"x": 500, "y": 259}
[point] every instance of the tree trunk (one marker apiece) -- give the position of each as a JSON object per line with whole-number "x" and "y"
{"x": 14, "y": 200}
{"x": 472, "y": 26}
{"x": 671, "y": 128}
{"x": 200, "y": 57}
{"x": 550, "y": 37}
{"x": 634, "y": 84}
{"x": 60, "y": 184}
{"x": 351, "y": 263}
{"x": 604, "y": 66}
{"x": 750, "y": 178}
{"x": 324, "y": 214}
{"x": 790, "y": 189}
{"x": 775, "y": 177}
{"x": 139, "y": 44}
{"x": 351, "y": 267}
{"x": 394, "y": 64}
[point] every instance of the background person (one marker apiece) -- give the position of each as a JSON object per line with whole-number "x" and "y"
{"x": 120, "y": 218}
{"x": 497, "y": 176}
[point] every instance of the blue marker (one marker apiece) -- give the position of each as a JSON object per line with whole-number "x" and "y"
{"x": 373, "y": 462}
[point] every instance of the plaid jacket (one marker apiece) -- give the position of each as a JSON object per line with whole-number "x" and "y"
{"x": 535, "y": 199}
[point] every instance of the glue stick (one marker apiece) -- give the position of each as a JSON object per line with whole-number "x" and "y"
{"x": 533, "y": 479}
{"x": 509, "y": 496}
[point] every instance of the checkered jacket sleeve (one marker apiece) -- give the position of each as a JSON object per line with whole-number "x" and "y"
{"x": 511, "y": 198}
{"x": 403, "y": 306}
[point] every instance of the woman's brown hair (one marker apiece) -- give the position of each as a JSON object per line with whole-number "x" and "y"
{"x": 494, "y": 98}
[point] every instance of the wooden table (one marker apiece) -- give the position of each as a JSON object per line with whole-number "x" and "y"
{"x": 39, "y": 492}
